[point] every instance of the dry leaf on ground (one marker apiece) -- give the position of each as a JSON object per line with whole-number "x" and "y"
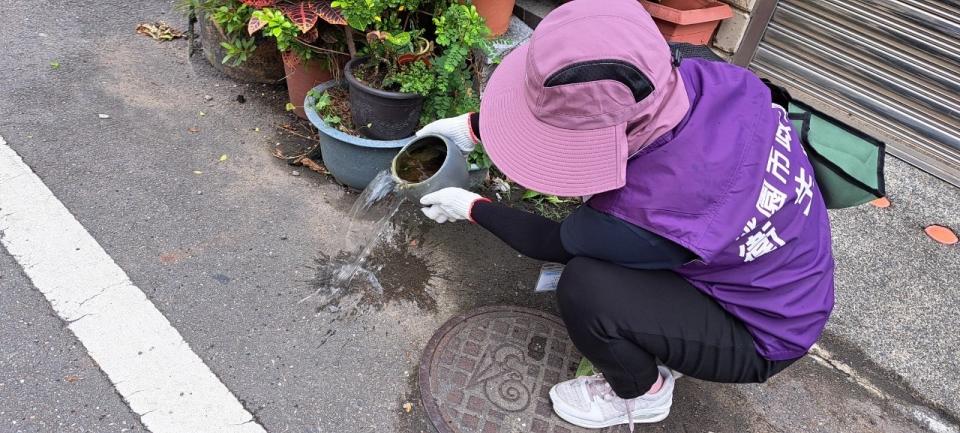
{"x": 313, "y": 165}
{"x": 408, "y": 407}
{"x": 160, "y": 31}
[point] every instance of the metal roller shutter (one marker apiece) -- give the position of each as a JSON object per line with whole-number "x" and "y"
{"x": 890, "y": 68}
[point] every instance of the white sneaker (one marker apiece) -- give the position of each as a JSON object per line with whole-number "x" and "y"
{"x": 589, "y": 402}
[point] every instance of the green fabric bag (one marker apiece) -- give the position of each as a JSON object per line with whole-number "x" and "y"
{"x": 847, "y": 163}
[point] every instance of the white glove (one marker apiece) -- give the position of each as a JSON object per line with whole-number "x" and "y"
{"x": 449, "y": 204}
{"x": 456, "y": 129}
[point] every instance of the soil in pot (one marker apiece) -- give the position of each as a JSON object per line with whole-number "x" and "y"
{"x": 421, "y": 163}
{"x": 496, "y": 13}
{"x": 303, "y": 75}
{"x": 380, "y": 114}
{"x": 339, "y": 109}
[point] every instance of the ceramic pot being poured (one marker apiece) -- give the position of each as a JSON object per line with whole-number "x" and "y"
{"x": 427, "y": 164}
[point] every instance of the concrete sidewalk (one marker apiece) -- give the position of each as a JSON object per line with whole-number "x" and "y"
{"x": 898, "y": 291}
{"x": 226, "y": 256}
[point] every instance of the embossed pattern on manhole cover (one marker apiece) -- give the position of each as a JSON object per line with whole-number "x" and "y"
{"x": 490, "y": 371}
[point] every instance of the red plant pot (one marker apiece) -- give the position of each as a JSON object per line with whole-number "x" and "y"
{"x": 303, "y": 76}
{"x": 496, "y": 13}
{"x": 691, "y": 21}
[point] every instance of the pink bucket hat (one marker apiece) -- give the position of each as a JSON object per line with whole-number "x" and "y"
{"x": 556, "y": 112}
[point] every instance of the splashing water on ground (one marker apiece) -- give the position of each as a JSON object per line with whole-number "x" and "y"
{"x": 376, "y": 205}
{"x": 367, "y": 220}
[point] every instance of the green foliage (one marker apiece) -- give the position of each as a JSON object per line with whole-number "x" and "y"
{"x": 278, "y": 26}
{"x": 585, "y": 368}
{"x": 550, "y": 206}
{"x": 188, "y": 7}
{"x": 238, "y": 50}
{"x": 479, "y": 157}
{"x": 538, "y": 198}
{"x": 424, "y": 47}
{"x": 323, "y": 107}
{"x": 54, "y": 64}
{"x": 375, "y": 14}
{"x": 232, "y": 16}
{"x": 459, "y": 29}
{"x": 323, "y": 101}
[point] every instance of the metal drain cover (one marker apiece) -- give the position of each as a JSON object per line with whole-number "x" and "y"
{"x": 490, "y": 371}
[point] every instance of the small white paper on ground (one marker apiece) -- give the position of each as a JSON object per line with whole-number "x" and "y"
{"x": 549, "y": 277}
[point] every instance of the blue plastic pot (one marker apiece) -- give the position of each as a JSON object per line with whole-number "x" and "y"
{"x": 353, "y": 161}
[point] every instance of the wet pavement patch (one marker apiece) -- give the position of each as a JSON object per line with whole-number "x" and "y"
{"x": 394, "y": 273}
{"x": 490, "y": 370}
{"x": 403, "y": 275}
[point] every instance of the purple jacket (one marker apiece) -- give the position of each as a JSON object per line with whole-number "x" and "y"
{"x": 732, "y": 184}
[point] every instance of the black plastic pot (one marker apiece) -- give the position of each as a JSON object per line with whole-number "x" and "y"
{"x": 380, "y": 114}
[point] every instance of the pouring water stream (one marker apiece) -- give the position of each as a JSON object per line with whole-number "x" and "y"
{"x": 426, "y": 164}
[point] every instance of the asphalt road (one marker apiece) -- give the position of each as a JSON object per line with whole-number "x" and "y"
{"x": 228, "y": 255}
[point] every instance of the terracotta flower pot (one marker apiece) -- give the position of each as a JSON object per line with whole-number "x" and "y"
{"x": 497, "y": 14}
{"x": 303, "y": 76}
{"x": 690, "y": 21}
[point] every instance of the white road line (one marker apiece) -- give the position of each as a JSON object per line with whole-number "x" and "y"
{"x": 147, "y": 360}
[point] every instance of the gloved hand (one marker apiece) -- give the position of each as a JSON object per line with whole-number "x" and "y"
{"x": 449, "y": 204}
{"x": 456, "y": 129}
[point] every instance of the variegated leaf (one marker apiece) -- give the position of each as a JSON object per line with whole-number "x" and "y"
{"x": 254, "y": 25}
{"x": 303, "y": 13}
{"x": 259, "y": 4}
{"x": 311, "y": 36}
{"x": 330, "y": 14}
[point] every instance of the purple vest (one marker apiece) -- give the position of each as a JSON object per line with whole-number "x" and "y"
{"x": 733, "y": 185}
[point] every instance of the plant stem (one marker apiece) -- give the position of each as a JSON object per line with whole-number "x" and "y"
{"x": 320, "y": 49}
{"x": 297, "y": 134}
{"x": 348, "y": 32}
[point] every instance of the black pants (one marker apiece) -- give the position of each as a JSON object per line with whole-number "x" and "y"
{"x": 624, "y": 320}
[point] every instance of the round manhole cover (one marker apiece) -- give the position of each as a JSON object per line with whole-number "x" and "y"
{"x": 490, "y": 371}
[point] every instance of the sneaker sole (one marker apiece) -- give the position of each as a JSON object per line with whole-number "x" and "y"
{"x": 616, "y": 421}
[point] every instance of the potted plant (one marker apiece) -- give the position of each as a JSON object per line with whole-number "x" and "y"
{"x": 415, "y": 54}
{"x": 351, "y": 159}
{"x": 228, "y": 47}
{"x": 690, "y": 21}
{"x": 308, "y": 35}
